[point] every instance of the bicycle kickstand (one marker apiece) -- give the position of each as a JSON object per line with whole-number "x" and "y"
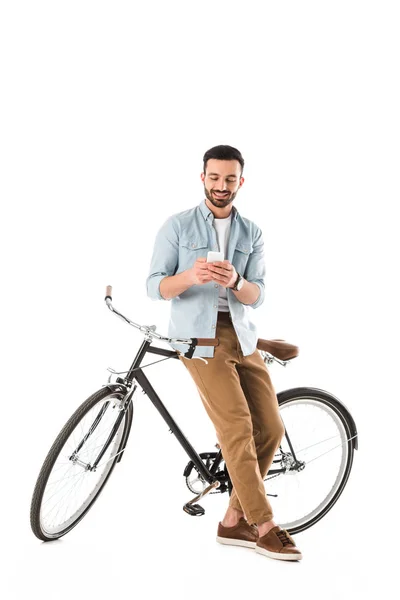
{"x": 195, "y": 510}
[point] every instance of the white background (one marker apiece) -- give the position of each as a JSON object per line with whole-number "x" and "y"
{"x": 106, "y": 111}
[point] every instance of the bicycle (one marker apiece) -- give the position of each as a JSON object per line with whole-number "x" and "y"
{"x": 93, "y": 441}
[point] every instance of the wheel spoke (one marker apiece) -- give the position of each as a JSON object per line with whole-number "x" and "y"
{"x": 330, "y": 450}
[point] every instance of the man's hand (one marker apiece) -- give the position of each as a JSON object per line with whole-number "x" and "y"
{"x": 223, "y": 272}
{"x": 199, "y": 273}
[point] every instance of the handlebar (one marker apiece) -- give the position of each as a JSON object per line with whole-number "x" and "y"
{"x": 277, "y": 350}
{"x": 150, "y": 330}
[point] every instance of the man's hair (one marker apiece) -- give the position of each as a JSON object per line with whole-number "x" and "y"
{"x": 223, "y": 153}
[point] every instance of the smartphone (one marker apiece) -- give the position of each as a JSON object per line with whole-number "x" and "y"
{"x": 214, "y": 256}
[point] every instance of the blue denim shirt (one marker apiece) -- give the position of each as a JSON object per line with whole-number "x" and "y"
{"x": 182, "y": 239}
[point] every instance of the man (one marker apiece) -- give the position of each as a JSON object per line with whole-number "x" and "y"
{"x": 212, "y": 300}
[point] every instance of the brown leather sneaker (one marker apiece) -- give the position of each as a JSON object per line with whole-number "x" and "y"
{"x": 277, "y": 543}
{"x": 241, "y": 534}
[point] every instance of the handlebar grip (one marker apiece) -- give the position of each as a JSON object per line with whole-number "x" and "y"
{"x": 109, "y": 291}
{"x": 206, "y": 341}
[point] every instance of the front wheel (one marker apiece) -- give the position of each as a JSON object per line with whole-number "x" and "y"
{"x": 314, "y": 460}
{"x": 80, "y": 462}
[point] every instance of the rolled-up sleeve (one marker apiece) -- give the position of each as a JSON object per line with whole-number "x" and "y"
{"x": 255, "y": 268}
{"x": 164, "y": 261}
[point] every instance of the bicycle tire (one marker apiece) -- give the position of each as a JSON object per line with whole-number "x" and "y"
{"x": 287, "y": 396}
{"x": 52, "y": 455}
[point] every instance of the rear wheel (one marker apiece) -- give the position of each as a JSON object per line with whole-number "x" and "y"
{"x": 69, "y": 483}
{"x": 323, "y": 436}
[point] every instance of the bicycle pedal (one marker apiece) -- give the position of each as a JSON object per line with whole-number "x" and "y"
{"x": 195, "y": 510}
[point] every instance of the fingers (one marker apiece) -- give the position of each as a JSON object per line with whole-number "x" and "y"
{"x": 201, "y": 271}
{"x": 221, "y": 277}
{"x": 223, "y": 264}
{"x": 221, "y": 270}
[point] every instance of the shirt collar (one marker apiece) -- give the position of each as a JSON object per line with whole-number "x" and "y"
{"x": 208, "y": 214}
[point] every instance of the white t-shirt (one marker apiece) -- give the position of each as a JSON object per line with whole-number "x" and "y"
{"x": 223, "y": 228}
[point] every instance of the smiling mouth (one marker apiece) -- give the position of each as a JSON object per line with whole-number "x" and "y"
{"x": 219, "y": 195}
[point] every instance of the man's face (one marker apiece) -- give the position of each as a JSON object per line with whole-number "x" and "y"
{"x": 221, "y": 181}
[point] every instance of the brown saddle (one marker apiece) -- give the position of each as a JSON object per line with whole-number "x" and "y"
{"x": 278, "y": 348}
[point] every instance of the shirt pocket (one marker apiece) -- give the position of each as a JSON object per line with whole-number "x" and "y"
{"x": 241, "y": 256}
{"x": 190, "y": 249}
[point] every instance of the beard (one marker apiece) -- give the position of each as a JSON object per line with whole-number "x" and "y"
{"x": 219, "y": 202}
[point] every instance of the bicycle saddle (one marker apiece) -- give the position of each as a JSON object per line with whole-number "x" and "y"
{"x": 278, "y": 348}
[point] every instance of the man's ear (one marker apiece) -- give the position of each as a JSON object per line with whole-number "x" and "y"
{"x": 202, "y": 176}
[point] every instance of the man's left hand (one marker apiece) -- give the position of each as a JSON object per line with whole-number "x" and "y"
{"x": 223, "y": 272}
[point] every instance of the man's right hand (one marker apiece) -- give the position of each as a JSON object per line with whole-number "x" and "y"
{"x": 199, "y": 273}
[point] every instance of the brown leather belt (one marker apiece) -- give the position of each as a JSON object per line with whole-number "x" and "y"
{"x": 224, "y": 316}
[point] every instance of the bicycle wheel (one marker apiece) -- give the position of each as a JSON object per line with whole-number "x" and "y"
{"x": 323, "y": 436}
{"x": 68, "y": 485}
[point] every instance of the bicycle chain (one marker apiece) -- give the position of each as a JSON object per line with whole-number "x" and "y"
{"x": 217, "y": 491}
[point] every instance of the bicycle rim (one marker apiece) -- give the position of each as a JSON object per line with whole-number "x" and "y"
{"x": 319, "y": 435}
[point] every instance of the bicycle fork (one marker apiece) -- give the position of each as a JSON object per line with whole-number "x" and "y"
{"x": 124, "y": 402}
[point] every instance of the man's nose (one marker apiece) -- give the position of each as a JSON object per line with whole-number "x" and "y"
{"x": 222, "y": 185}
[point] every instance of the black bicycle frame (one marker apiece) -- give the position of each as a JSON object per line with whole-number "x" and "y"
{"x": 136, "y": 372}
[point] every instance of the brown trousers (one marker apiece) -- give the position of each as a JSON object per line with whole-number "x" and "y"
{"x": 240, "y": 400}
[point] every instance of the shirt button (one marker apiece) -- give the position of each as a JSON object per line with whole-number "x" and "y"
{"x": 213, "y": 326}
{"x": 193, "y": 245}
{"x": 215, "y": 306}
{"x": 215, "y": 284}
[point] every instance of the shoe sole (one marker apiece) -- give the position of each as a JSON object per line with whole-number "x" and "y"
{"x": 233, "y": 542}
{"x": 278, "y": 555}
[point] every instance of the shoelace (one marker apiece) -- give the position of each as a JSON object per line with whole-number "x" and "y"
{"x": 285, "y": 538}
{"x": 254, "y": 529}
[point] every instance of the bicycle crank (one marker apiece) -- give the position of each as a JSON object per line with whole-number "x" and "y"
{"x": 195, "y": 510}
